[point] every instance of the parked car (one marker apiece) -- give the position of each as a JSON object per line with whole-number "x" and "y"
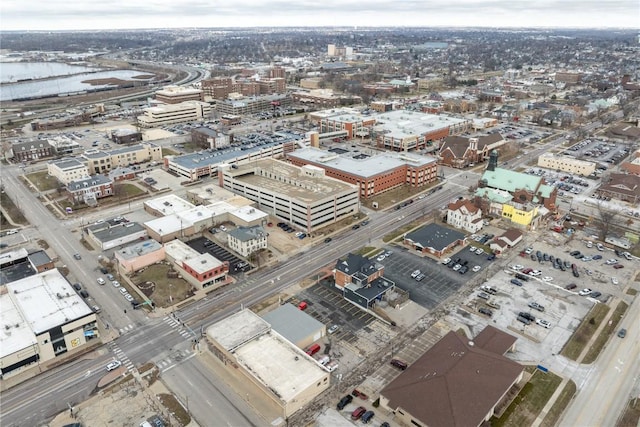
{"x": 528, "y": 316}
{"x": 585, "y": 292}
{"x": 571, "y": 286}
{"x": 101, "y": 281}
{"x": 358, "y": 393}
{"x": 84, "y": 294}
{"x": 489, "y": 289}
{"x": 367, "y": 416}
{"x": 399, "y": 364}
{"x": 544, "y": 323}
{"x": 618, "y": 266}
{"x": 476, "y": 268}
{"x": 516, "y": 282}
{"x": 333, "y": 329}
{"x": 446, "y": 261}
{"x": 485, "y": 311}
{"x": 614, "y": 280}
{"x": 483, "y": 295}
{"x": 77, "y": 286}
{"x": 463, "y": 269}
{"x": 595, "y": 294}
{"x": 344, "y": 401}
{"x": 536, "y": 306}
{"x": 622, "y": 333}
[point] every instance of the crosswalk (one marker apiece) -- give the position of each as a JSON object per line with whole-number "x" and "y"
{"x": 121, "y": 356}
{"x": 126, "y": 329}
{"x": 177, "y": 326}
{"x": 174, "y": 359}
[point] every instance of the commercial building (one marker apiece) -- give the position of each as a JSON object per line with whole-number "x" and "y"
{"x": 209, "y": 138}
{"x": 125, "y": 136}
{"x": 42, "y": 317}
{"x": 195, "y": 166}
{"x": 295, "y": 325}
{"x": 404, "y": 130}
{"x": 372, "y": 174}
{"x": 90, "y": 189}
{"x": 323, "y": 98}
{"x": 166, "y": 205}
{"x": 362, "y": 281}
{"x": 139, "y": 255}
{"x": 210, "y": 193}
{"x": 189, "y": 111}
{"x": 434, "y": 239}
{"x": 201, "y": 270}
{"x": 220, "y": 88}
{"x": 106, "y": 235}
{"x": 438, "y": 388}
{"x": 465, "y": 215}
{"x": 178, "y": 94}
{"x": 632, "y": 165}
{"x": 67, "y": 170}
{"x": 304, "y": 196}
{"x": 506, "y": 241}
{"x": 621, "y": 186}
{"x": 282, "y": 375}
{"x": 18, "y": 264}
{"x": 73, "y": 117}
{"x": 100, "y": 162}
{"x": 566, "y": 164}
{"x": 31, "y": 151}
{"x": 355, "y": 124}
{"x": 251, "y": 105}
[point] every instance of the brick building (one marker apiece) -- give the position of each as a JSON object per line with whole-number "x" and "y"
{"x": 32, "y": 150}
{"x": 90, "y": 189}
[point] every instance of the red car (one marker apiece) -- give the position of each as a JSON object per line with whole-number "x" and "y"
{"x": 359, "y": 412}
{"x": 618, "y": 266}
{"x": 527, "y": 270}
{"x": 358, "y": 393}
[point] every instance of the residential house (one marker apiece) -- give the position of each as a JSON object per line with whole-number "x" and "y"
{"x": 464, "y": 214}
{"x": 247, "y": 240}
{"x": 507, "y": 240}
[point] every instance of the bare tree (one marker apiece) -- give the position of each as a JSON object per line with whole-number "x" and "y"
{"x": 607, "y": 217}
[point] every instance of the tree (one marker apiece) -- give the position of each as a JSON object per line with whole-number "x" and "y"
{"x": 607, "y": 217}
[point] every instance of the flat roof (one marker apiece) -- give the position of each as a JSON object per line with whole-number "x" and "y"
{"x": 405, "y": 123}
{"x": 367, "y": 167}
{"x": 210, "y": 193}
{"x": 169, "y": 204}
{"x": 117, "y": 232}
{"x": 15, "y": 333}
{"x": 47, "y": 300}
{"x": 292, "y": 323}
{"x": 139, "y": 249}
{"x": 13, "y": 256}
{"x": 166, "y": 225}
{"x": 203, "y": 263}
{"x": 237, "y": 329}
{"x": 195, "y": 214}
{"x": 279, "y": 365}
{"x": 68, "y": 163}
{"x": 210, "y": 157}
{"x": 249, "y": 213}
{"x": 307, "y": 188}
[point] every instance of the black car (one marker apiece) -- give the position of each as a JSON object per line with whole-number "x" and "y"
{"x": 344, "y": 401}
{"x": 84, "y": 294}
{"x": 485, "y": 311}
{"x": 574, "y": 253}
{"x": 327, "y": 240}
{"x": 463, "y": 269}
{"x": 527, "y": 316}
{"x": 545, "y": 256}
{"x": 595, "y": 294}
{"x": 77, "y": 286}
{"x": 399, "y": 364}
{"x": 355, "y": 227}
{"x": 103, "y": 270}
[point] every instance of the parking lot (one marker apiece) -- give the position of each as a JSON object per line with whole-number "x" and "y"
{"x": 439, "y": 281}
{"x": 203, "y": 245}
{"x": 600, "y": 150}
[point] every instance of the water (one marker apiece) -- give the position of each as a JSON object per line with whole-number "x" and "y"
{"x": 11, "y": 72}
{"x": 62, "y": 85}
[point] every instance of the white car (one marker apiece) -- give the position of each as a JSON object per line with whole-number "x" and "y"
{"x": 332, "y": 329}
{"x": 543, "y": 323}
{"x": 479, "y": 251}
{"x": 585, "y": 292}
{"x": 101, "y": 281}
{"x": 611, "y": 261}
{"x": 589, "y": 244}
{"x": 446, "y": 261}
{"x": 600, "y": 247}
{"x": 457, "y": 267}
{"x": 535, "y": 273}
{"x": 472, "y": 248}
{"x": 547, "y": 279}
{"x": 614, "y": 280}
{"x": 123, "y": 291}
{"x": 476, "y": 268}
{"x": 115, "y": 284}
{"x": 380, "y": 258}
{"x": 415, "y": 274}
{"x": 528, "y": 251}
{"x": 517, "y": 267}
{"x": 113, "y": 365}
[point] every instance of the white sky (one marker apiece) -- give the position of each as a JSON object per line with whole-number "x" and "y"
{"x": 128, "y": 14}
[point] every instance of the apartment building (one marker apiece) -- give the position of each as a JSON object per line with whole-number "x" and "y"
{"x": 189, "y": 111}
{"x": 247, "y": 240}
{"x": 371, "y": 174}
{"x": 566, "y": 164}
{"x": 355, "y": 124}
{"x": 32, "y": 150}
{"x": 220, "y": 88}
{"x": 90, "y": 189}
{"x": 252, "y": 105}
{"x": 302, "y": 196}
{"x": 99, "y": 162}
{"x": 67, "y": 169}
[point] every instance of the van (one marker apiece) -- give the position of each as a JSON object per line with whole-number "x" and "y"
{"x": 313, "y": 349}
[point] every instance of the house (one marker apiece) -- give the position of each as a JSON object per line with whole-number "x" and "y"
{"x": 507, "y": 240}
{"x": 460, "y": 152}
{"x": 456, "y": 382}
{"x": 632, "y": 165}
{"x": 621, "y": 186}
{"x": 464, "y": 214}
{"x": 434, "y": 239}
{"x": 89, "y": 190}
{"x": 362, "y": 280}
{"x": 247, "y": 240}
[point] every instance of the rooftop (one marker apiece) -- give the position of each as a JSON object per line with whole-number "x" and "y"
{"x": 168, "y": 204}
{"x": 202, "y": 263}
{"x": 434, "y": 236}
{"x": 246, "y": 234}
{"x": 249, "y": 213}
{"x": 292, "y": 323}
{"x": 90, "y": 181}
{"x": 47, "y": 300}
{"x": 508, "y": 180}
{"x": 237, "y": 329}
{"x": 15, "y": 333}
{"x": 139, "y": 249}
{"x": 404, "y": 123}
{"x": 67, "y": 163}
{"x": 117, "y": 232}
{"x": 363, "y": 167}
{"x": 288, "y": 180}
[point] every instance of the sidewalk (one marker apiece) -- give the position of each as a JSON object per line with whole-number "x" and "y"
{"x": 565, "y": 380}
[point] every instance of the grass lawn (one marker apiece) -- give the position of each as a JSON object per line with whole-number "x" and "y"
{"x": 391, "y": 197}
{"x": 609, "y": 329}
{"x": 559, "y": 405}
{"x": 631, "y": 291}
{"x": 154, "y": 283}
{"x": 364, "y": 251}
{"x": 582, "y": 335}
{"x": 11, "y": 209}
{"x": 631, "y": 415}
{"x": 127, "y": 190}
{"x": 43, "y": 181}
{"x": 175, "y": 408}
{"x": 527, "y": 405}
{"x": 169, "y": 152}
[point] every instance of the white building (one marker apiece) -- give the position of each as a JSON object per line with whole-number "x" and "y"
{"x": 189, "y": 111}
{"x": 463, "y": 214}
{"x": 67, "y": 170}
{"x": 278, "y": 371}
{"x": 566, "y": 164}
{"x": 247, "y": 240}
{"x": 302, "y": 196}
{"x": 42, "y": 317}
